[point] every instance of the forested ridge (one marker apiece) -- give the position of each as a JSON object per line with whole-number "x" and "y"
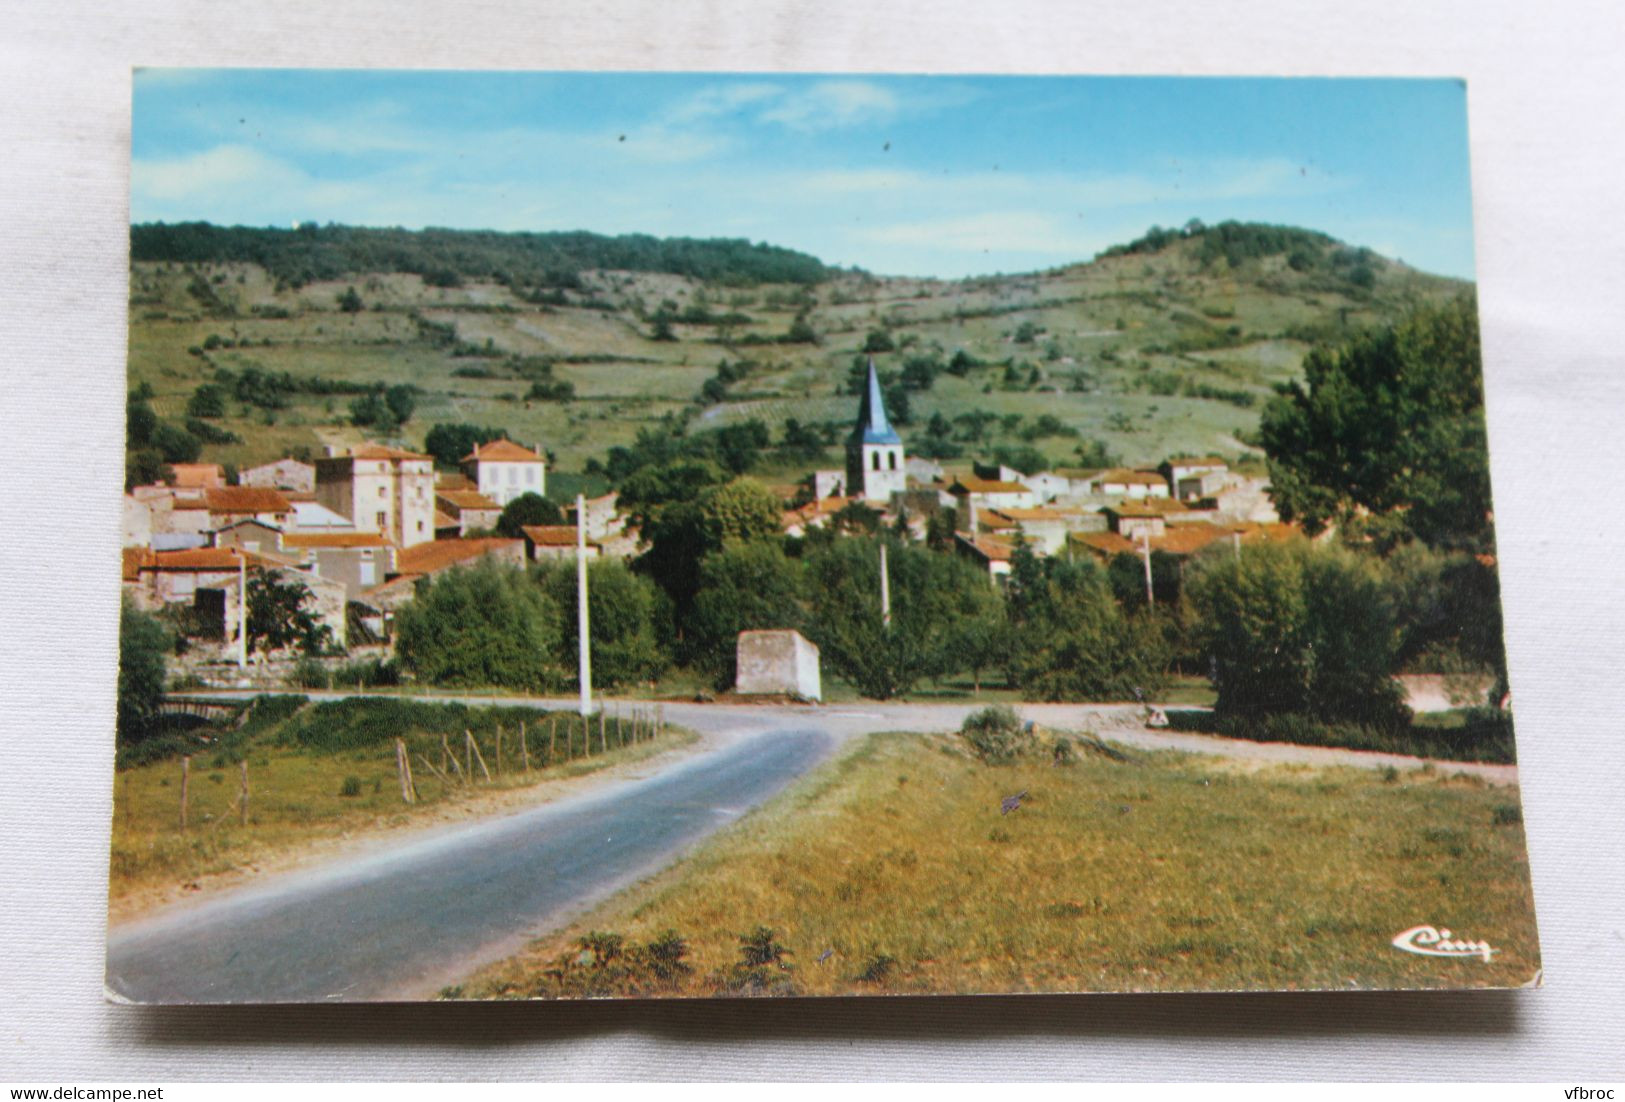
{"x": 443, "y": 257}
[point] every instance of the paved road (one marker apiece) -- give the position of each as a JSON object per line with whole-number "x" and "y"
{"x": 403, "y": 920}
{"x": 413, "y": 915}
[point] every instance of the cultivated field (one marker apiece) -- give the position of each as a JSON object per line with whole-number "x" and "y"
{"x": 1152, "y": 354}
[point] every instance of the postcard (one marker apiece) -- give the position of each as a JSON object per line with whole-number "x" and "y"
{"x": 678, "y": 535}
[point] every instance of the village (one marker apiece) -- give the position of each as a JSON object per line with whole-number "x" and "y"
{"x": 359, "y": 528}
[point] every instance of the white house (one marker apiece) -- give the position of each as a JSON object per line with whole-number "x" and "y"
{"x": 503, "y": 470}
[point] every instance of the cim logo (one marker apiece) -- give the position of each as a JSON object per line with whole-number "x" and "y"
{"x": 1430, "y": 941}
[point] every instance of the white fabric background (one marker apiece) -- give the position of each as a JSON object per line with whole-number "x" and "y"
{"x": 1547, "y": 108}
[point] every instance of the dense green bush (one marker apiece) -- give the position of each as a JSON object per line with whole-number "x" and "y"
{"x": 336, "y": 726}
{"x": 996, "y": 734}
{"x": 485, "y": 625}
{"x": 1296, "y": 629}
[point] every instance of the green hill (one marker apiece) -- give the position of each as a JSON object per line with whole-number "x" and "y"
{"x": 577, "y": 342}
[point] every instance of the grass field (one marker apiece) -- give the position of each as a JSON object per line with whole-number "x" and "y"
{"x": 321, "y": 774}
{"x": 1104, "y": 339}
{"x": 893, "y": 870}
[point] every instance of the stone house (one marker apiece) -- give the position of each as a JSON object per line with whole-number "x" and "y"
{"x": 554, "y": 542}
{"x": 467, "y": 511}
{"x": 1122, "y": 482}
{"x": 284, "y": 474}
{"x": 229, "y": 504}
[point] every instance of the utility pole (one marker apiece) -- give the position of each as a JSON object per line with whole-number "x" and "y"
{"x": 242, "y": 611}
{"x": 885, "y": 588}
{"x": 584, "y": 630}
{"x": 1145, "y": 548}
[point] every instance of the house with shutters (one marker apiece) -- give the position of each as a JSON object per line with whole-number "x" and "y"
{"x": 503, "y": 470}
{"x": 380, "y": 489}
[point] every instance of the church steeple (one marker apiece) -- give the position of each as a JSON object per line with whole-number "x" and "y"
{"x": 873, "y": 427}
{"x": 874, "y": 452}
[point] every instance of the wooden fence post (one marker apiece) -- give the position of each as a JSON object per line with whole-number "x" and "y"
{"x": 186, "y": 776}
{"x": 553, "y": 740}
{"x": 242, "y": 796}
{"x": 403, "y": 770}
{"x": 603, "y": 738}
{"x": 499, "y": 749}
{"x": 524, "y": 746}
{"x": 474, "y": 749}
{"x": 447, "y": 756}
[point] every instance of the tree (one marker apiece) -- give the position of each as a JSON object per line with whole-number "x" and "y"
{"x": 485, "y": 624}
{"x": 801, "y": 331}
{"x": 208, "y": 400}
{"x": 401, "y": 400}
{"x": 278, "y": 616}
{"x": 524, "y": 511}
{"x": 741, "y": 588}
{"x": 1075, "y": 642}
{"x": 843, "y": 591}
{"x": 878, "y": 340}
{"x": 143, "y": 642}
{"x": 1298, "y": 630}
{"x": 623, "y": 610}
{"x": 350, "y": 302}
{"x": 450, "y": 442}
{"x": 1390, "y": 424}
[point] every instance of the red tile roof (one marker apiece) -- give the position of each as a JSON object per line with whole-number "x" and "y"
{"x": 1147, "y": 507}
{"x": 208, "y": 559}
{"x": 973, "y": 485}
{"x": 552, "y": 535}
{"x": 455, "y": 501}
{"x": 245, "y": 499}
{"x": 991, "y": 548}
{"x": 1125, "y": 477}
{"x": 380, "y": 451}
{"x": 296, "y": 540}
{"x": 1104, "y": 543}
{"x": 502, "y": 451}
{"x": 437, "y": 555}
{"x": 445, "y": 482}
{"x": 198, "y": 474}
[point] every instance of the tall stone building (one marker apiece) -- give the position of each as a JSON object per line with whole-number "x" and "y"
{"x": 383, "y": 490}
{"x": 874, "y": 451}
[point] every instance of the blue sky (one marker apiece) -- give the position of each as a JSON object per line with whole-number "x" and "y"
{"x": 911, "y": 175}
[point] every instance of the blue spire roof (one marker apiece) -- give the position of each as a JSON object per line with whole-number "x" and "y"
{"x": 872, "y": 426}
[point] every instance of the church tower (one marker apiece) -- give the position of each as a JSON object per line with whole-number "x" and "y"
{"x": 874, "y": 451}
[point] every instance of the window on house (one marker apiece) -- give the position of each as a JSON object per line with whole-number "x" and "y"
{"x": 530, "y": 475}
{"x": 874, "y": 461}
{"x": 513, "y": 475}
{"x": 420, "y": 528}
{"x": 383, "y": 521}
{"x": 894, "y": 461}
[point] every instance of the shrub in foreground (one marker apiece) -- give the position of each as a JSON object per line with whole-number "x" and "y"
{"x": 996, "y": 734}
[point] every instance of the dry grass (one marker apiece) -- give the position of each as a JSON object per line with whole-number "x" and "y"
{"x": 298, "y": 806}
{"x": 1163, "y": 872}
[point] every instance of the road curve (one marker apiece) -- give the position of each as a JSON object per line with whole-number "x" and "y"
{"x": 398, "y": 922}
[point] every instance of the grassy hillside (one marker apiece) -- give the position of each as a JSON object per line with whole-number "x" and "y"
{"x": 1169, "y": 344}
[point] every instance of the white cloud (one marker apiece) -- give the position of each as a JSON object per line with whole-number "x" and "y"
{"x": 205, "y": 176}
{"x": 832, "y": 104}
{"x": 722, "y": 99}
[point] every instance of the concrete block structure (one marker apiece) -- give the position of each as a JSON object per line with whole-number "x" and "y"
{"x": 777, "y": 663}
